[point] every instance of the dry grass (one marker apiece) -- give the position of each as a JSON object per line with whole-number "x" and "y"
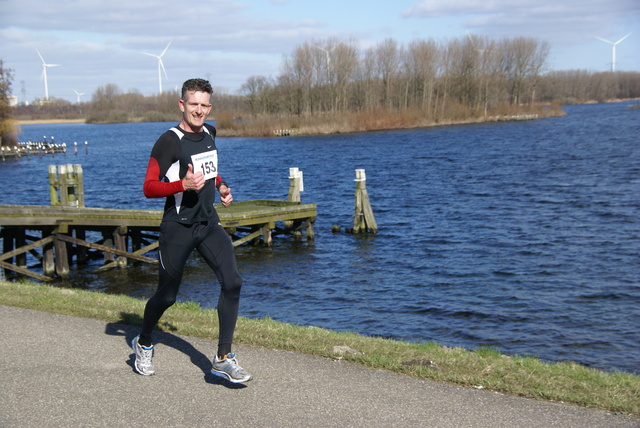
{"x": 231, "y": 125}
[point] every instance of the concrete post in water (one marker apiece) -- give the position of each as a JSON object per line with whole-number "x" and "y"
{"x": 363, "y": 219}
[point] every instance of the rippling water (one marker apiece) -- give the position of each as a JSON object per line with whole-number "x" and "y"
{"x": 521, "y": 236}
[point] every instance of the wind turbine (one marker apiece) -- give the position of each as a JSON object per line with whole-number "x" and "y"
{"x": 328, "y": 52}
{"x": 78, "y": 94}
{"x": 44, "y": 75}
{"x": 160, "y": 65}
{"x": 613, "y": 50}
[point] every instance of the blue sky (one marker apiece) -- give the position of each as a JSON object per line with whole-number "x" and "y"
{"x": 101, "y": 41}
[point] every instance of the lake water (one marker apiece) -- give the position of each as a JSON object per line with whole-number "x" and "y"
{"x": 521, "y": 236}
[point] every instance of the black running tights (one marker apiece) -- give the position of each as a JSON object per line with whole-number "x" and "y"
{"x": 177, "y": 242}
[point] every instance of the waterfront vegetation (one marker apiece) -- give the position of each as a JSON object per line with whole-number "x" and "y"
{"x": 483, "y": 368}
{"x": 333, "y": 86}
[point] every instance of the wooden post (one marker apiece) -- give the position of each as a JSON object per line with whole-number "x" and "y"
{"x": 310, "y": 232}
{"x": 62, "y": 257}
{"x": 20, "y": 241}
{"x": 296, "y": 185}
{"x": 81, "y": 251}
{"x": 53, "y": 185}
{"x": 48, "y": 259}
{"x": 120, "y": 238}
{"x": 108, "y": 242}
{"x": 363, "y": 219}
{"x": 79, "y": 178}
{"x": 64, "y": 188}
{"x": 136, "y": 239}
{"x": 266, "y": 234}
{"x": 70, "y": 179}
{"x": 7, "y": 244}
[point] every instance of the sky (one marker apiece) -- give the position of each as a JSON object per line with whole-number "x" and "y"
{"x": 101, "y": 42}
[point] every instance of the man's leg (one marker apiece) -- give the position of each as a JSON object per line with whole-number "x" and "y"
{"x": 175, "y": 247}
{"x": 219, "y": 254}
{"x": 217, "y": 250}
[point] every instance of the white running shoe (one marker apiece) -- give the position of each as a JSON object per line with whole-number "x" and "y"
{"x": 229, "y": 369}
{"x": 144, "y": 358}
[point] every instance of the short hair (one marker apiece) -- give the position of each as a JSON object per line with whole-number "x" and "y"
{"x": 198, "y": 85}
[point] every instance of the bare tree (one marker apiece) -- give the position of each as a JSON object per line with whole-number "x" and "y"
{"x": 254, "y": 90}
{"x": 387, "y": 63}
{"x": 421, "y": 61}
{"x": 523, "y": 59}
{"x": 8, "y": 129}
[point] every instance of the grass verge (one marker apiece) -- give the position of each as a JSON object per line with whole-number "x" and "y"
{"x": 484, "y": 368}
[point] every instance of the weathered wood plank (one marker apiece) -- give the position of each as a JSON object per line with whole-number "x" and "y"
{"x": 24, "y": 271}
{"x": 141, "y": 251}
{"x": 26, "y": 248}
{"x": 248, "y": 237}
{"x": 105, "y": 248}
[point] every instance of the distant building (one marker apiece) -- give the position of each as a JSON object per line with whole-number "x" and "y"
{"x": 13, "y": 100}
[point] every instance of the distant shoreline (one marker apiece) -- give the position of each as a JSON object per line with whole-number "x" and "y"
{"x": 47, "y": 121}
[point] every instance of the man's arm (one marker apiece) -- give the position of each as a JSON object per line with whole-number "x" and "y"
{"x": 153, "y": 187}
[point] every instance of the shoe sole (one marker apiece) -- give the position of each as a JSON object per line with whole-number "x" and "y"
{"x": 226, "y": 376}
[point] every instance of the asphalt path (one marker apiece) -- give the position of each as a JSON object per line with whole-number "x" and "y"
{"x": 63, "y": 371}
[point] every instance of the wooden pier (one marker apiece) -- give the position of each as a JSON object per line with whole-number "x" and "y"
{"x": 57, "y": 234}
{"x": 122, "y": 235}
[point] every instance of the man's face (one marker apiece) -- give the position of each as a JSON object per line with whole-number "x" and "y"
{"x": 195, "y": 110}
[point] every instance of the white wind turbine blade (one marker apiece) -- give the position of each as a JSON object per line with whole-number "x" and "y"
{"x": 622, "y": 39}
{"x": 604, "y": 40}
{"x": 163, "y": 69}
{"x": 165, "y": 49}
{"x": 40, "y": 56}
{"x": 160, "y": 59}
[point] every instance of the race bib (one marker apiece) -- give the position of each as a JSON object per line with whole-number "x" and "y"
{"x": 206, "y": 163}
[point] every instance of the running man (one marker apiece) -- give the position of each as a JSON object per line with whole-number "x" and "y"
{"x": 183, "y": 168}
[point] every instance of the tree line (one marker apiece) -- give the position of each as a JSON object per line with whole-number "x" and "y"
{"x": 464, "y": 77}
{"x": 471, "y": 73}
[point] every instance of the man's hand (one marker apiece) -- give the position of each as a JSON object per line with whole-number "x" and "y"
{"x": 225, "y": 195}
{"x": 193, "y": 181}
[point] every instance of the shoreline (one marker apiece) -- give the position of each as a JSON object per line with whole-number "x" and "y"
{"x": 47, "y": 121}
{"x": 564, "y": 381}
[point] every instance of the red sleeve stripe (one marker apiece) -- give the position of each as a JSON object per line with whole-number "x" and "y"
{"x": 153, "y": 187}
